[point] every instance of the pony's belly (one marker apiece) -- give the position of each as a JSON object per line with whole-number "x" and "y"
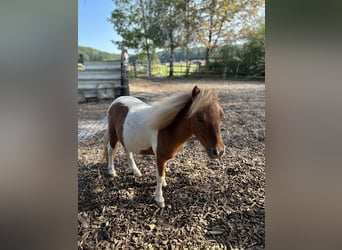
{"x": 137, "y": 141}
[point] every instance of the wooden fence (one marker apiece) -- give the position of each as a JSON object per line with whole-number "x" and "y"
{"x": 104, "y": 80}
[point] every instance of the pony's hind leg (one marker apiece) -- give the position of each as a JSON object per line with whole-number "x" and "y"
{"x": 110, "y": 142}
{"x": 131, "y": 163}
{"x": 110, "y": 151}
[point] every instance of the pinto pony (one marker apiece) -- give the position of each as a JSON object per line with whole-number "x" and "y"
{"x": 162, "y": 129}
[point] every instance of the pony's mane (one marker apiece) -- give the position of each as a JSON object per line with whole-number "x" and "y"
{"x": 203, "y": 99}
{"x": 164, "y": 111}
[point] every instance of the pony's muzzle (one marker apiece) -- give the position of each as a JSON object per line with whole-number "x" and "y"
{"x": 215, "y": 153}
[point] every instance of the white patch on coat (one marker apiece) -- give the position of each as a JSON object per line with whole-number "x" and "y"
{"x": 131, "y": 163}
{"x": 136, "y": 136}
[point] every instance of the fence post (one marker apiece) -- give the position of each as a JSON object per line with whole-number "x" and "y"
{"x": 124, "y": 72}
{"x": 81, "y": 58}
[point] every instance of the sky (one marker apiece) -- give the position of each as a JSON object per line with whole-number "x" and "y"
{"x": 93, "y": 28}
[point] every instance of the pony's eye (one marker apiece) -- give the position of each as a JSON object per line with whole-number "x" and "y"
{"x": 199, "y": 118}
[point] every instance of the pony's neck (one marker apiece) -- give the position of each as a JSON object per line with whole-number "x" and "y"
{"x": 181, "y": 124}
{"x": 172, "y": 137}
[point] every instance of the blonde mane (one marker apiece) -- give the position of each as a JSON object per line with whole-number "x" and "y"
{"x": 203, "y": 99}
{"x": 165, "y": 111}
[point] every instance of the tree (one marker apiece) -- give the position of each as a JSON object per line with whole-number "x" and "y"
{"x": 146, "y": 25}
{"x": 254, "y": 51}
{"x": 231, "y": 57}
{"x": 189, "y": 27}
{"x": 218, "y": 20}
{"x": 90, "y": 54}
{"x": 133, "y": 21}
{"x": 169, "y": 15}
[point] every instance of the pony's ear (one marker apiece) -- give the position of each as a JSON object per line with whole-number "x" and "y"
{"x": 195, "y": 92}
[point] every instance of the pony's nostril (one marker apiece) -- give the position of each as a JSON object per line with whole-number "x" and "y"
{"x": 215, "y": 152}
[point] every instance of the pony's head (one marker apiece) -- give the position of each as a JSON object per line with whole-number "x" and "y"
{"x": 205, "y": 117}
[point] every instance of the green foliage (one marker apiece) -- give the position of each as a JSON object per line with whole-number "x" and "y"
{"x": 214, "y": 29}
{"x": 127, "y": 21}
{"x": 221, "y": 20}
{"x": 180, "y": 54}
{"x": 254, "y": 52}
{"x": 146, "y": 25}
{"x": 246, "y": 59}
{"x": 91, "y": 54}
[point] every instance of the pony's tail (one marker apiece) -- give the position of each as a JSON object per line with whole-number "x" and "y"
{"x": 105, "y": 143}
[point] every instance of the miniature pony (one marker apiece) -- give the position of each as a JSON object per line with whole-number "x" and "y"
{"x": 163, "y": 128}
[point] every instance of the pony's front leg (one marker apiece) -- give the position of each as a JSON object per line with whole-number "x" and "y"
{"x": 161, "y": 182}
{"x": 131, "y": 163}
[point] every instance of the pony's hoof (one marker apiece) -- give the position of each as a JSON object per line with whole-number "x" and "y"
{"x": 138, "y": 174}
{"x": 161, "y": 204}
{"x": 112, "y": 174}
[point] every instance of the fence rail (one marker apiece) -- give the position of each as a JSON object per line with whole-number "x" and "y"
{"x": 104, "y": 79}
{"x": 195, "y": 69}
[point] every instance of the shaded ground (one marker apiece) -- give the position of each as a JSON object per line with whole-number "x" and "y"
{"x": 207, "y": 206}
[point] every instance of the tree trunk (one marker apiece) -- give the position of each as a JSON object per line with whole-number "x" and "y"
{"x": 207, "y": 53}
{"x": 149, "y": 62}
{"x": 171, "y": 61}
{"x": 225, "y": 71}
{"x": 135, "y": 69}
{"x": 146, "y": 40}
{"x": 237, "y": 69}
{"x": 171, "y": 42}
{"x": 208, "y": 47}
{"x": 187, "y": 39}
{"x": 187, "y": 70}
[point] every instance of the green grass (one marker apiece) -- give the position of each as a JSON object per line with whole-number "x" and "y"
{"x": 162, "y": 70}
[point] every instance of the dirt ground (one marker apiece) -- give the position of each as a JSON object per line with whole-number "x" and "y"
{"x": 208, "y": 205}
